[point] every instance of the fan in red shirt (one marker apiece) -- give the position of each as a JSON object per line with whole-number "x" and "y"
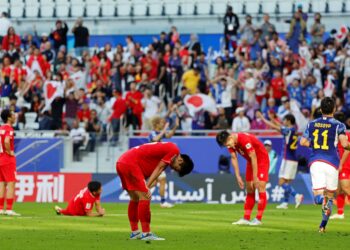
{"x": 344, "y": 173}
{"x": 150, "y": 66}
{"x": 143, "y": 162}
{"x": 257, "y": 171}
{"x": 133, "y": 101}
{"x": 19, "y": 73}
{"x": 7, "y": 163}
{"x": 278, "y": 88}
{"x": 83, "y": 203}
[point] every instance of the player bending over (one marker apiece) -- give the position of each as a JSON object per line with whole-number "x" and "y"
{"x": 7, "y": 163}
{"x": 83, "y": 203}
{"x": 257, "y": 171}
{"x": 322, "y": 135}
{"x": 289, "y": 164}
{"x": 143, "y": 162}
{"x": 160, "y": 132}
{"x": 344, "y": 174}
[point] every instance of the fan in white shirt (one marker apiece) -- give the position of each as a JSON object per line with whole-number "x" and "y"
{"x": 241, "y": 122}
{"x": 152, "y": 106}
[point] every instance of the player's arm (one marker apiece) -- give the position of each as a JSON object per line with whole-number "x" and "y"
{"x": 173, "y": 130}
{"x": 234, "y": 162}
{"x": 343, "y": 159}
{"x": 254, "y": 161}
{"x": 92, "y": 214}
{"x": 7, "y": 145}
{"x": 269, "y": 123}
{"x": 156, "y": 172}
{"x": 158, "y": 137}
{"x": 304, "y": 142}
{"x": 99, "y": 209}
{"x": 344, "y": 142}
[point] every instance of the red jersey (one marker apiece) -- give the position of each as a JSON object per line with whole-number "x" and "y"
{"x": 346, "y": 165}
{"x": 148, "y": 156}
{"x": 6, "y": 131}
{"x": 133, "y": 100}
{"x": 119, "y": 108}
{"x": 277, "y": 85}
{"x": 247, "y": 143}
{"x": 82, "y": 202}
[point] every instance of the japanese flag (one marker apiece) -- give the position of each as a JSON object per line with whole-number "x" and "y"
{"x": 52, "y": 89}
{"x": 329, "y": 86}
{"x": 198, "y": 102}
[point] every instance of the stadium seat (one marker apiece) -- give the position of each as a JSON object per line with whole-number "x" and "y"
{"x": 318, "y": 6}
{"x": 237, "y": 6}
{"x": 31, "y": 8}
{"x": 92, "y": 8}
{"x": 203, "y": 7}
{"x": 285, "y": 6}
{"x": 108, "y": 8}
{"x": 77, "y": 8}
{"x": 269, "y": 6}
{"x": 171, "y": 7}
{"x": 252, "y": 7}
{"x": 219, "y": 7}
{"x": 17, "y": 8}
{"x": 62, "y": 8}
{"x": 4, "y": 6}
{"x": 124, "y": 7}
{"x": 139, "y": 7}
{"x": 30, "y": 117}
{"x": 155, "y": 7}
{"x": 335, "y": 6}
{"x": 47, "y": 8}
{"x": 347, "y": 5}
{"x": 32, "y": 126}
{"x": 187, "y": 7}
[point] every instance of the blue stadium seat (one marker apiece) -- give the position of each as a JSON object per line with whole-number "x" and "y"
{"x": 32, "y": 8}
{"x": 269, "y": 6}
{"x": 77, "y": 8}
{"x": 47, "y": 8}
{"x": 62, "y": 8}
{"x": 108, "y": 8}
{"x": 156, "y": 7}
{"x": 219, "y": 7}
{"x": 93, "y": 8}
{"x": 124, "y": 7}
{"x": 318, "y": 6}
{"x": 17, "y": 8}
{"x": 171, "y": 7}
{"x": 139, "y": 7}
{"x": 204, "y": 7}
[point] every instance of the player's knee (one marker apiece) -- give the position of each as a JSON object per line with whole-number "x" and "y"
{"x": 318, "y": 199}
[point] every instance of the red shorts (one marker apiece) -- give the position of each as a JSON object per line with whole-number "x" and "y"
{"x": 344, "y": 174}
{"x": 132, "y": 177}
{"x": 8, "y": 171}
{"x": 263, "y": 171}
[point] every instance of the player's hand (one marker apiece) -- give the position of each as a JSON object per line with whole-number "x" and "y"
{"x": 240, "y": 182}
{"x": 149, "y": 194}
{"x": 102, "y": 212}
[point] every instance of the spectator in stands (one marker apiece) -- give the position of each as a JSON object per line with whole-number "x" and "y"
{"x": 11, "y": 40}
{"x": 36, "y": 104}
{"x": 159, "y": 44}
{"x": 278, "y": 87}
{"x": 297, "y": 32}
{"x": 317, "y": 31}
{"x": 118, "y": 110}
{"x": 81, "y": 37}
{"x": 257, "y": 123}
{"x": 221, "y": 121}
{"x": 134, "y": 107}
{"x": 57, "y": 112}
{"x": 84, "y": 114}
{"x": 284, "y": 109}
{"x": 48, "y": 52}
{"x": 72, "y": 107}
{"x": 78, "y": 135}
{"x": 272, "y": 156}
{"x": 59, "y": 36}
{"x": 174, "y": 35}
{"x": 103, "y": 113}
{"x": 5, "y": 24}
{"x": 302, "y": 14}
{"x": 152, "y": 107}
{"x": 231, "y": 26}
{"x": 93, "y": 127}
{"x": 193, "y": 44}
{"x": 45, "y": 121}
{"x": 240, "y": 122}
{"x": 191, "y": 78}
{"x": 247, "y": 30}
{"x": 267, "y": 28}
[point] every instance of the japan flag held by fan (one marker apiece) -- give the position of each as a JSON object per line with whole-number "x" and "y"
{"x": 198, "y": 102}
{"x": 52, "y": 89}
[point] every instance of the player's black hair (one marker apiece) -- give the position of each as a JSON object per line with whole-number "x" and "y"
{"x": 94, "y": 186}
{"x": 186, "y": 166}
{"x": 221, "y": 137}
{"x": 327, "y": 106}
{"x": 290, "y": 118}
{"x": 5, "y": 115}
{"x": 340, "y": 116}
{"x": 317, "y": 113}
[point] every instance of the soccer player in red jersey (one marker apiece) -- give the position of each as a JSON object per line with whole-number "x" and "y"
{"x": 143, "y": 162}
{"x": 83, "y": 203}
{"x": 257, "y": 171}
{"x": 7, "y": 163}
{"x": 344, "y": 174}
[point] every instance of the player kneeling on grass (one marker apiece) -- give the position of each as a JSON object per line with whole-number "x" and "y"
{"x": 134, "y": 167}
{"x": 83, "y": 203}
{"x": 257, "y": 172}
{"x": 344, "y": 174}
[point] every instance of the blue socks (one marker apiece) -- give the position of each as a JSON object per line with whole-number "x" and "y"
{"x": 325, "y": 217}
{"x": 162, "y": 200}
{"x": 318, "y": 199}
{"x": 288, "y": 190}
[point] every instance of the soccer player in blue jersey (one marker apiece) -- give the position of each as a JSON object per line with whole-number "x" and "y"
{"x": 159, "y": 132}
{"x": 289, "y": 166}
{"x": 322, "y": 136}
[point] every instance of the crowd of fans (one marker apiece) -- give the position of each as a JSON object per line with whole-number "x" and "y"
{"x": 257, "y": 69}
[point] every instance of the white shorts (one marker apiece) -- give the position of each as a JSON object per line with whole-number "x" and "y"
{"x": 288, "y": 169}
{"x": 162, "y": 176}
{"x": 323, "y": 176}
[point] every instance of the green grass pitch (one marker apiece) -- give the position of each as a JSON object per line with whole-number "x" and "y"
{"x": 186, "y": 226}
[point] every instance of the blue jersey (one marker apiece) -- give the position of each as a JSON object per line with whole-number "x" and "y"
{"x": 290, "y": 143}
{"x": 153, "y": 134}
{"x": 323, "y": 135}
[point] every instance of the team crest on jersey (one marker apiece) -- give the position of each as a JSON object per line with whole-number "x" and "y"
{"x": 248, "y": 146}
{"x": 261, "y": 175}
{"x": 88, "y": 206}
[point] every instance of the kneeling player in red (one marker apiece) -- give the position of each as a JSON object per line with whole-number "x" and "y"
{"x": 143, "y": 162}
{"x": 83, "y": 203}
{"x": 257, "y": 171}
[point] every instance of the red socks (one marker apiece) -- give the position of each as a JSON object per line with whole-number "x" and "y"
{"x": 261, "y": 205}
{"x": 340, "y": 203}
{"x": 133, "y": 215}
{"x": 249, "y": 205}
{"x": 9, "y": 204}
{"x": 144, "y": 214}
{"x": 2, "y": 202}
